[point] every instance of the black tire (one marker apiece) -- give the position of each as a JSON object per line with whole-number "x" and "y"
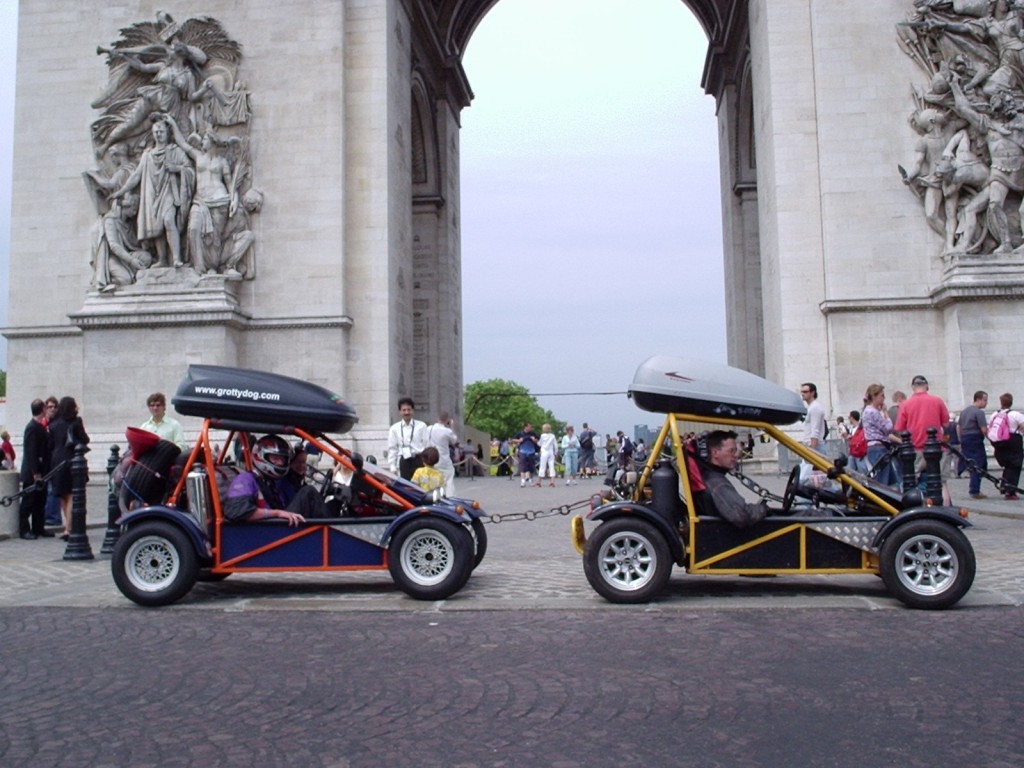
{"x": 927, "y": 564}
{"x": 480, "y": 532}
{"x": 627, "y": 560}
{"x": 154, "y": 563}
{"x": 431, "y": 558}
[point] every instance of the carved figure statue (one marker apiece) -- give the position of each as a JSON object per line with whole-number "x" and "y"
{"x": 960, "y": 168}
{"x": 924, "y": 171}
{"x": 238, "y": 244}
{"x": 173, "y": 140}
{"x": 116, "y": 254}
{"x": 972, "y": 52}
{"x": 165, "y": 179}
{"x": 158, "y": 67}
{"x": 173, "y": 87}
{"x": 1004, "y": 133}
{"x": 210, "y": 205}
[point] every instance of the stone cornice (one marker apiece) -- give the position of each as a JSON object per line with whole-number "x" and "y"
{"x": 317, "y": 321}
{"x": 213, "y": 302}
{"x": 985, "y": 279}
{"x": 875, "y": 304}
{"x": 41, "y": 331}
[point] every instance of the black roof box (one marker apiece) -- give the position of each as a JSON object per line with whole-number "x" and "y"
{"x": 260, "y": 397}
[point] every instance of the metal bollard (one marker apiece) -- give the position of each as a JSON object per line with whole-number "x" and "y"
{"x": 113, "y": 532}
{"x": 933, "y": 467}
{"x": 908, "y": 457}
{"x": 78, "y": 542}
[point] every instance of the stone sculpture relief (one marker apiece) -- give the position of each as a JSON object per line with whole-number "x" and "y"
{"x": 173, "y": 188}
{"x": 968, "y": 165}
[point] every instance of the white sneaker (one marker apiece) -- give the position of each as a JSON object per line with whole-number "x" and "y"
{"x": 522, "y": 483}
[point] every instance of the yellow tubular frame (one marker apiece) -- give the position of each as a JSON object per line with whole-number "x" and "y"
{"x": 671, "y": 428}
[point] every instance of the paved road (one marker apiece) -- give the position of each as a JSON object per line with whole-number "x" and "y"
{"x": 572, "y": 689}
{"x": 524, "y": 667}
{"x": 529, "y": 564}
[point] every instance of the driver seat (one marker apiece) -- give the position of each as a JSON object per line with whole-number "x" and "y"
{"x": 704, "y": 506}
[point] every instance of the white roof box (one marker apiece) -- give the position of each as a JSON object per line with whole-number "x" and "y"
{"x": 667, "y": 384}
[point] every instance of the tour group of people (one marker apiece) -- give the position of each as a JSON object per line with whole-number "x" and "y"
{"x": 869, "y": 434}
{"x": 48, "y": 445}
{"x": 537, "y": 457}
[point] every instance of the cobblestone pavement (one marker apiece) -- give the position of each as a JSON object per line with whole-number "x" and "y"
{"x": 735, "y": 688}
{"x": 529, "y": 564}
{"x": 526, "y": 666}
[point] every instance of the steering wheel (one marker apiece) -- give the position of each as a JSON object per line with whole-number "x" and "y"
{"x": 789, "y": 495}
{"x": 326, "y": 481}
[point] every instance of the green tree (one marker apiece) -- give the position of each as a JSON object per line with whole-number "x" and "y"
{"x": 501, "y": 407}
{"x": 3, "y": 383}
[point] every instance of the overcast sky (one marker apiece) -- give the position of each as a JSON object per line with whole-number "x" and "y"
{"x": 591, "y": 222}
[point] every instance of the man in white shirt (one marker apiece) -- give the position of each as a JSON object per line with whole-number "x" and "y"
{"x": 814, "y": 424}
{"x": 406, "y": 439}
{"x": 440, "y": 436}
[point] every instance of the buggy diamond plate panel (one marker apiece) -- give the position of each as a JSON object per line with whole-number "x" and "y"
{"x": 858, "y": 534}
{"x": 370, "y": 533}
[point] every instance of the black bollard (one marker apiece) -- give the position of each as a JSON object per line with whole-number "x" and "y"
{"x": 933, "y": 467}
{"x": 908, "y": 457}
{"x": 113, "y": 532}
{"x": 78, "y": 542}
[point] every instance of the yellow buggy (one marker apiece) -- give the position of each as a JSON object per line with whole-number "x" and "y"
{"x": 847, "y": 523}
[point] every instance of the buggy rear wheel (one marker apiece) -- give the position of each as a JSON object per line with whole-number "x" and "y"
{"x": 927, "y": 564}
{"x": 626, "y": 560}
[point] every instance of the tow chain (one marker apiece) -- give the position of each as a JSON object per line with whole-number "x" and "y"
{"x": 998, "y": 481}
{"x": 534, "y": 514}
{"x": 760, "y": 490}
{"x": 38, "y": 485}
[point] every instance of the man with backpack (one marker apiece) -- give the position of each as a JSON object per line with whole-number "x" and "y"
{"x": 971, "y": 428}
{"x": 1005, "y": 433}
{"x": 588, "y": 467}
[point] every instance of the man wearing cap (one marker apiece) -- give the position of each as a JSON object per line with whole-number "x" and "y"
{"x": 919, "y": 412}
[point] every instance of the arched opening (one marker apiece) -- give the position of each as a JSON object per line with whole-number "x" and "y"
{"x": 590, "y": 199}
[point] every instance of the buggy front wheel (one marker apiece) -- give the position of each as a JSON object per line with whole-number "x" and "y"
{"x": 431, "y": 558}
{"x": 927, "y": 564}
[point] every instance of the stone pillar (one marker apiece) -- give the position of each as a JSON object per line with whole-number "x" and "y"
{"x": 789, "y": 193}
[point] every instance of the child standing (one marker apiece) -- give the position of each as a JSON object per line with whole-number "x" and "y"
{"x": 427, "y": 476}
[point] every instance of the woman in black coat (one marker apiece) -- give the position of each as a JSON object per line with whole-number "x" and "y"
{"x": 66, "y": 431}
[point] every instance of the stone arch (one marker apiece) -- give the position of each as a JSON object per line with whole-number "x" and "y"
{"x": 441, "y": 31}
{"x": 424, "y": 163}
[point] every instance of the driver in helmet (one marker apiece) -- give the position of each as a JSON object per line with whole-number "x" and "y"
{"x": 254, "y": 495}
